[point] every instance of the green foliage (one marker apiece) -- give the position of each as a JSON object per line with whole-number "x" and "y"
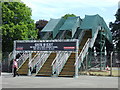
{"x": 16, "y": 24}
{"x": 68, "y": 15}
{"x": 116, "y": 30}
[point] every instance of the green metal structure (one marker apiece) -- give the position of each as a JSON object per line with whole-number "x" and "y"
{"x": 71, "y": 24}
{"x": 76, "y": 24}
{"x": 91, "y": 22}
{"x": 90, "y": 32}
{"x": 53, "y": 26}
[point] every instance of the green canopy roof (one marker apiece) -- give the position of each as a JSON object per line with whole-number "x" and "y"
{"x": 71, "y": 24}
{"x": 53, "y": 26}
{"x": 92, "y": 22}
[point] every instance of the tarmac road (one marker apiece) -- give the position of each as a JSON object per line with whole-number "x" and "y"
{"x": 58, "y": 82}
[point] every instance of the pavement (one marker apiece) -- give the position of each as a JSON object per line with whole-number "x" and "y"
{"x": 58, "y": 82}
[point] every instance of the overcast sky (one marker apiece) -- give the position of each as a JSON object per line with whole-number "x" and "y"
{"x": 46, "y": 9}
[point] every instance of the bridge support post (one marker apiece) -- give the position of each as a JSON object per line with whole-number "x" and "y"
{"x": 77, "y": 65}
{"x": 102, "y": 49}
{"x": 14, "y": 50}
{"x": 29, "y": 67}
{"x": 86, "y": 62}
{"x": 90, "y": 58}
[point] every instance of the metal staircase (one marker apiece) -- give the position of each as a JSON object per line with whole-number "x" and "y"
{"x": 44, "y": 67}
{"x": 59, "y": 62}
{"x": 68, "y": 68}
{"x": 86, "y": 43}
{"x": 23, "y": 64}
{"x": 69, "y": 65}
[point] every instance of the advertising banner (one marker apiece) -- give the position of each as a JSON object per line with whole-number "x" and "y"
{"x": 46, "y": 46}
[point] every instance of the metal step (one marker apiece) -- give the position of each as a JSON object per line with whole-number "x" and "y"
{"x": 69, "y": 69}
{"x": 24, "y": 68}
{"x": 47, "y": 68}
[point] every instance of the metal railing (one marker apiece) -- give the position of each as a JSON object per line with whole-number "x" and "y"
{"x": 11, "y": 56}
{"x": 94, "y": 38}
{"x": 34, "y": 60}
{"x": 60, "y": 61}
{"x": 22, "y": 59}
{"x": 89, "y": 43}
{"x": 46, "y": 36}
{"x": 82, "y": 53}
{"x": 62, "y": 57}
{"x": 81, "y": 35}
{"x": 42, "y": 60}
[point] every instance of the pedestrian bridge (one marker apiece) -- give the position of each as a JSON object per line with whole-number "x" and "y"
{"x": 90, "y": 34}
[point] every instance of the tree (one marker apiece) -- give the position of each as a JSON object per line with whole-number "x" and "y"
{"x": 16, "y": 24}
{"x": 40, "y": 25}
{"x": 115, "y": 29}
{"x": 68, "y": 15}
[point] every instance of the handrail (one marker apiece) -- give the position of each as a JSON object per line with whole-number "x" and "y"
{"x": 62, "y": 62}
{"x": 32, "y": 62}
{"x": 22, "y": 58}
{"x": 10, "y": 56}
{"x": 89, "y": 43}
{"x": 94, "y": 38}
{"x": 37, "y": 59}
{"x": 47, "y": 35}
{"x": 62, "y": 36}
{"x": 61, "y": 58}
{"x": 54, "y": 64}
{"x": 81, "y": 35}
{"x": 54, "y": 60}
{"x": 42, "y": 61}
{"x": 59, "y": 62}
{"x": 82, "y": 53}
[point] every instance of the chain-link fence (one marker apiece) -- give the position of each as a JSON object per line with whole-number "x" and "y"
{"x": 100, "y": 61}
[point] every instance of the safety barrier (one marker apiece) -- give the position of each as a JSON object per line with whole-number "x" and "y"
{"x": 11, "y": 56}
{"x": 42, "y": 60}
{"x": 60, "y": 61}
{"x": 82, "y": 54}
{"x": 34, "y": 60}
{"x": 22, "y": 59}
{"x": 46, "y": 36}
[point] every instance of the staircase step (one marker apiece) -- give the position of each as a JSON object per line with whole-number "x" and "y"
{"x": 69, "y": 65}
{"x": 44, "y": 72}
{"x": 43, "y": 75}
{"x": 69, "y": 69}
{"x": 67, "y": 72}
{"x": 23, "y": 73}
{"x": 24, "y": 68}
{"x": 47, "y": 68}
{"x": 65, "y": 75}
{"x": 48, "y": 63}
{"x": 33, "y": 54}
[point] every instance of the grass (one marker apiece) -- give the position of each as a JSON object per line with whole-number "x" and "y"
{"x": 115, "y": 73}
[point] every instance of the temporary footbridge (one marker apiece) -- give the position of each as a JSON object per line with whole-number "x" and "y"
{"x": 87, "y": 33}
